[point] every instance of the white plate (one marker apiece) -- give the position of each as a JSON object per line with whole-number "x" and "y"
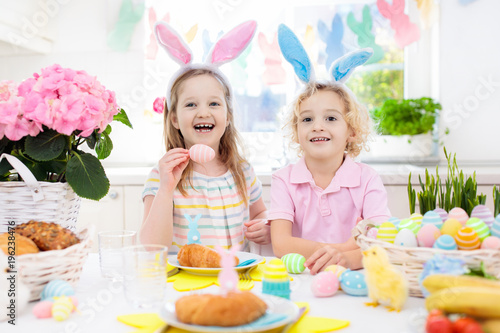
{"x": 277, "y": 306}
{"x": 242, "y": 256}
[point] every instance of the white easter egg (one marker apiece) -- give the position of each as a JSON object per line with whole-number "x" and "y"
{"x": 406, "y": 238}
{"x": 201, "y": 153}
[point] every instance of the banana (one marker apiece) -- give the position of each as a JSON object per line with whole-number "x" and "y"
{"x": 437, "y": 282}
{"x": 481, "y": 302}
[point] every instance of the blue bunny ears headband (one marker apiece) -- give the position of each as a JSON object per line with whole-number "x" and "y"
{"x": 340, "y": 70}
{"x": 227, "y": 48}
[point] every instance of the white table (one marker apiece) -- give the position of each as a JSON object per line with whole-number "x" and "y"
{"x": 101, "y": 301}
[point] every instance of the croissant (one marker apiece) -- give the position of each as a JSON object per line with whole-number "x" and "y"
{"x": 233, "y": 309}
{"x": 195, "y": 255}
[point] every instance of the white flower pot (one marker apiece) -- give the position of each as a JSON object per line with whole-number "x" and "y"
{"x": 404, "y": 146}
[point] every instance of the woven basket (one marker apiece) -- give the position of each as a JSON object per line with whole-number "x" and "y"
{"x": 411, "y": 260}
{"x": 22, "y": 201}
{"x": 37, "y": 269}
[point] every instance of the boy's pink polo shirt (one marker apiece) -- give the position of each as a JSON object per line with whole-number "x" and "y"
{"x": 327, "y": 215}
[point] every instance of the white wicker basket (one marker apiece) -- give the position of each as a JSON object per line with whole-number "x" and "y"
{"x": 411, "y": 259}
{"x": 37, "y": 269}
{"x": 22, "y": 201}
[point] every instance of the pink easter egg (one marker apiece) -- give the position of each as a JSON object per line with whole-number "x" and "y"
{"x": 372, "y": 233}
{"x": 43, "y": 309}
{"x": 201, "y": 153}
{"x": 427, "y": 235}
{"x": 325, "y": 284}
{"x": 491, "y": 243}
{"x": 483, "y": 213}
{"x": 458, "y": 214}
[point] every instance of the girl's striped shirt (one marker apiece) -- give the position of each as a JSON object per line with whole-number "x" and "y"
{"x": 217, "y": 199}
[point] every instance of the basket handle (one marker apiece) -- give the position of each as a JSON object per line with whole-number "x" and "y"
{"x": 29, "y": 179}
{"x": 362, "y": 228}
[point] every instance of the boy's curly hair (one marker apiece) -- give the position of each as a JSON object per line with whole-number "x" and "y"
{"x": 357, "y": 116}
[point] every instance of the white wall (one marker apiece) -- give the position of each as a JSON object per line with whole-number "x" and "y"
{"x": 469, "y": 55}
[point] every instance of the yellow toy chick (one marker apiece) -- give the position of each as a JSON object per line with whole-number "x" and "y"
{"x": 386, "y": 284}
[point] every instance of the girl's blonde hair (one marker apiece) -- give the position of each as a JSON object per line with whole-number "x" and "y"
{"x": 229, "y": 142}
{"x": 357, "y": 116}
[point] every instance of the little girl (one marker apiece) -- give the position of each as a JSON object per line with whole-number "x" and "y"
{"x": 225, "y": 190}
{"x": 316, "y": 202}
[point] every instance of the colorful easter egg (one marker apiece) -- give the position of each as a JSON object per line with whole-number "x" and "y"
{"x": 294, "y": 262}
{"x": 201, "y": 153}
{"x": 483, "y": 213}
{"x": 442, "y": 213}
{"x": 417, "y": 217}
{"x": 372, "y": 233}
{"x": 336, "y": 269}
{"x": 431, "y": 217}
{"x": 445, "y": 242}
{"x": 325, "y": 284}
{"x": 467, "y": 239}
{"x": 451, "y": 227}
{"x": 353, "y": 283}
{"x": 427, "y": 235}
{"x": 43, "y": 309}
{"x": 491, "y": 243}
{"x": 479, "y": 227}
{"x": 394, "y": 220}
{"x": 495, "y": 227}
{"x": 409, "y": 224}
{"x": 62, "y": 308}
{"x": 387, "y": 232}
{"x": 406, "y": 237}
{"x": 458, "y": 214}
{"x": 57, "y": 288}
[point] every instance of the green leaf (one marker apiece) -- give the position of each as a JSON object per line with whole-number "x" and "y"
{"x": 45, "y": 146}
{"x": 34, "y": 166}
{"x": 123, "y": 118}
{"x": 104, "y": 146}
{"x": 86, "y": 176}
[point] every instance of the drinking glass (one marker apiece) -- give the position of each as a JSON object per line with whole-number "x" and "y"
{"x": 111, "y": 244}
{"x": 145, "y": 275}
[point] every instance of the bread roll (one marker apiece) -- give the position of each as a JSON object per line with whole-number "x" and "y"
{"x": 23, "y": 245}
{"x": 195, "y": 255}
{"x": 47, "y": 236}
{"x": 233, "y": 309}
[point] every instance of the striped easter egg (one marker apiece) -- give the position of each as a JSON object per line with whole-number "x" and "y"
{"x": 479, "y": 227}
{"x": 451, "y": 227}
{"x": 394, "y": 220}
{"x": 294, "y": 262}
{"x": 275, "y": 271}
{"x": 442, "y": 213}
{"x": 495, "y": 227}
{"x": 409, "y": 224}
{"x": 417, "y": 217}
{"x": 483, "y": 213}
{"x": 467, "y": 239}
{"x": 201, "y": 153}
{"x": 431, "y": 217}
{"x": 458, "y": 214}
{"x": 387, "y": 232}
{"x": 62, "y": 308}
{"x": 57, "y": 288}
{"x": 445, "y": 242}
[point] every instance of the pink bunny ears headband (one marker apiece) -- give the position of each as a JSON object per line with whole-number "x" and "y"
{"x": 226, "y": 49}
{"x": 296, "y": 55}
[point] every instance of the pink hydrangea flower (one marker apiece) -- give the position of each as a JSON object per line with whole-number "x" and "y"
{"x": 159, "y": 105}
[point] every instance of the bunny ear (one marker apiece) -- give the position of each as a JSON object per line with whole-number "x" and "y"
{"x": 219, "y": 249}
{"x": 235, "y": 248}
{"x": 344, "y": 66}
{"x": 172, "y": 42}
{"x": 232, "y": 44}
{"x": 294, "y": 53}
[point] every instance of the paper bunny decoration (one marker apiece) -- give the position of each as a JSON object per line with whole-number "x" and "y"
{"x": 152, "y": 47}
{"x": 194, "y": 236}
{"x": 332, "y": 38}
{"x": 363, "y": 30}
{"x": 227, "y": 48}
{"x": 228, "y": 278}
{"x": 406, "y": 32}
{"x": 129, "y": 16}
{"x": 295, "y": 54}
{"x": 274, "y": 72}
